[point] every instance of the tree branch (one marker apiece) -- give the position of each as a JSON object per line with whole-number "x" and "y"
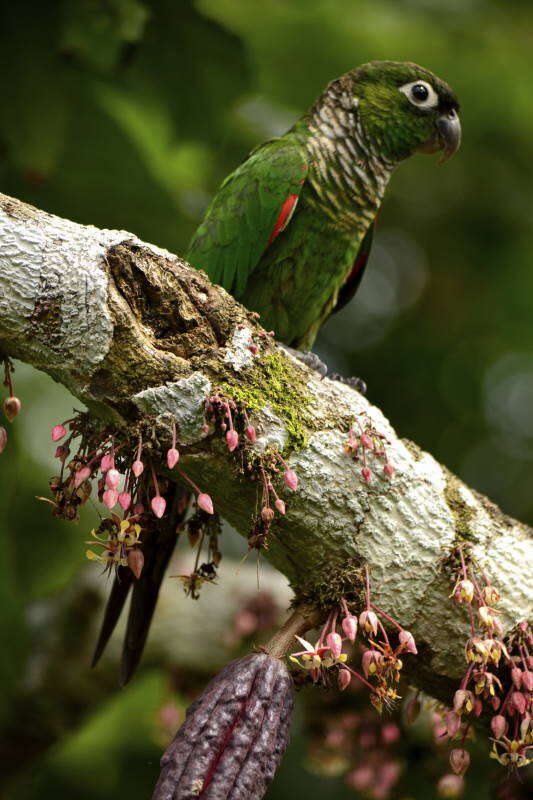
{"x": 131, "y": 330}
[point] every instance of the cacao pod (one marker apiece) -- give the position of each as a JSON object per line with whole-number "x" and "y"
{"x": 234, "y": 735}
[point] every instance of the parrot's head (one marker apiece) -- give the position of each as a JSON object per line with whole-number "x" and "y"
{"x": 406, "y": 109}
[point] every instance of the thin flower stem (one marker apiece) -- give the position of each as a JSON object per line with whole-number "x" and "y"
{"x": 386, "y": 616}
{"x": 367, "y": 587}
{"x": 191, "y": 483}
{"x": 360, "y": 677}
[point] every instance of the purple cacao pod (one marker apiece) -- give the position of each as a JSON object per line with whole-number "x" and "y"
{"x": 234, "y": 735}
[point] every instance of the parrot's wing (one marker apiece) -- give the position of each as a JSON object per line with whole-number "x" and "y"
{"x": 351, "y": 284}
{"x": 252, "y": 207}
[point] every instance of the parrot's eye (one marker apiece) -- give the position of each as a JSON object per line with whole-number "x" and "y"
{"x": 421, "y": 94}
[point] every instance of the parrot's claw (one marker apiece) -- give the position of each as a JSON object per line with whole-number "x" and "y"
{"x": 310, "y": 359}
{"x": 356, "y": 383}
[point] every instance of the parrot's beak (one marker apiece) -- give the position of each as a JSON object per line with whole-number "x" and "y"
{"x": 449, "y": 133}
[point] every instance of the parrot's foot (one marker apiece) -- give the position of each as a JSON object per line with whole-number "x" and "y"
{"x": 310, "y": 359}
{"x": 356, "y": 383}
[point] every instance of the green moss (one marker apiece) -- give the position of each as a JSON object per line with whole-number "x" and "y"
{"x": 413, "y": 448}
{"x": 274, "y": 381}
{"x": 462, "y": 513}
{"x": 334, "y": 582}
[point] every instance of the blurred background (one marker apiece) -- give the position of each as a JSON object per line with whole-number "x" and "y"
{"x": 128, "y": 114}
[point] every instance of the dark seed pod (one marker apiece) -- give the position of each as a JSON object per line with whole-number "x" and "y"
{"x": 234, "y": 736}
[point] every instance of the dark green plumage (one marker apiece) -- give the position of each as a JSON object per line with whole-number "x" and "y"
{"x": 285, "y": 233}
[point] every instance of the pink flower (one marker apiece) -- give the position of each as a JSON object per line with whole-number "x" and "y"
{"x": 388, "y": 469}
{"x": 516, "y": 675}
{"x": 367, "y": 474}
{"x": 463, "y": 591}
{"x": 459, "y": 760}
{"x": 205, "y": 503}
{"x": 136, "y": 561}
{"x": 291, "y": 479}
{"x": 81, "y": 475}
{"x": 453, "y": 723}
{"x": 267, "y": 514}
{"x": 519, "y": 702}
{"x": 58, "y": 431}
{"x": 158, "y": 504}
{"x": 232, "y": 440}
{"x": 124, "y": 500}
{"x": 280, "y": 506}
{"x": 527, "y": 680}
{"x": 390, "y": 733}
{"x": 110, "y": 498}
{"x": 368, "y": 622}
{"x": 137, "y": 468}
{"x": 498, "y": 725}
{"x": 334, "y": 642}
{"x": 250, "y": 433}
{"x": 408, "y": 642}
{"x": 370, "y": 662}
{"x": 344, "y": 678}
{"x": 349, "y": 627}
{"x": 173, "y": 457}
{"x": 107, "y": 462}
{"x": 367, "y": 442}
{"x": 112, "y": 478}
{"x": 12, "y": 406}
{"x": 450, "y": 786}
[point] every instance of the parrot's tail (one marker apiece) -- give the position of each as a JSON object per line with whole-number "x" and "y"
{"x": 158, "y": 546}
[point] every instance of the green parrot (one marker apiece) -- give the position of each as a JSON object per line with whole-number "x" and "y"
{"x": 289, "y": 234}
{"x": 289, "y": 231}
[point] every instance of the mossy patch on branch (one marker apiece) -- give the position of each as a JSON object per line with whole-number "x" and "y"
{"x": 275, "y": 382}
{"x": 462, "y": 512}
{"x": 324, "y": 589}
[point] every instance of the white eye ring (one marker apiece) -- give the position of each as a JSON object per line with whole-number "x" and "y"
{"x": 410, "y": 90}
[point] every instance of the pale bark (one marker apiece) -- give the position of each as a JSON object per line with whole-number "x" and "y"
{"x": 132, "y": 329}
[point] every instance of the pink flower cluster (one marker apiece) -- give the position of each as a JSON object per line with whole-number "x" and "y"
{"x": 380, "y": 662}
{"x": 367, "y": 446}
{"x": 498, "y": 677}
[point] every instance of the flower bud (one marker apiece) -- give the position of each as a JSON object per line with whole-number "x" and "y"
{"x": 158, "y": 505}
{"x": 81, "y": 475}
{"x": 459, "y": 760}
{"x": 367, "y": 442}
{"x": 107, "y": 462}
{"x": 370, "y": 661}
{"x": 205, "y": 503}
{"x": 3, "y": 439}
{"x": 250, "y": 433}
{"x": 173, "y": 457}
{"x": 344, "y": 678}
{"x": 453, "y": 723}
{"x": 388, "y": 469}
{"x": 124, "y": 500}
{"x": 137, "y": 468}
{"x": 136, "y": 561}
{"x": 516, "y": 676}
{"x": 519, "y": 702}
{"x": 527, "y": 680}
{"x": 367, "y": 474}
{"x": 463, "y": 591}
{"x": 110, "y": 498}
{"x": 408, "y": 641}
{"x": 232, "y": 440}
{"x": 498, "y": 726}
{"x": 267, "y": 514}
{"x": 334, "y": 642}
{"x": 450, "y": 786}
{"x": 368, "y": 622}
{"x": 280, "y": 506}
{"x": 486, "y": 616}
{"x": 490, "y": 595}
{"x": 291, "y": 479}
{"x": 12, "y": 406}
{"x": 349, "y": 627}
{"x": 112, "y": 478}
{"x": 58, "y": 431}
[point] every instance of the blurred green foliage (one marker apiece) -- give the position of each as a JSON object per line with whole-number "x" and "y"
{"x": 128, "y": 113}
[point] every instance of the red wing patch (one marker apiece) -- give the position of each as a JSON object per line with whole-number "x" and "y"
{"x": 285, "y": 215}
{"x": 359, "y": 264}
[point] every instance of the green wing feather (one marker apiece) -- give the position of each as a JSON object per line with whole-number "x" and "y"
{"x": 238, "y": 224}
